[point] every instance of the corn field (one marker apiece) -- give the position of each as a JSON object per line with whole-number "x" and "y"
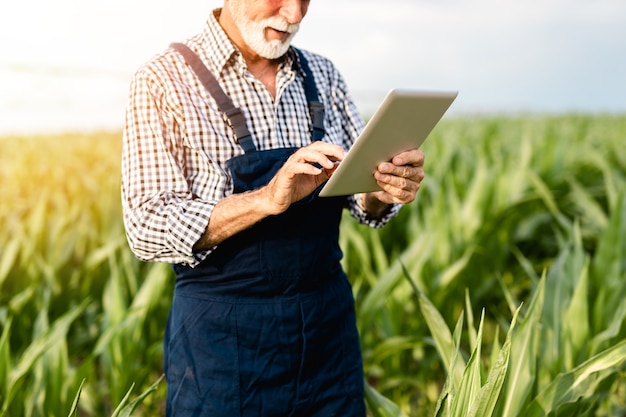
{"x": 499, "y": 292}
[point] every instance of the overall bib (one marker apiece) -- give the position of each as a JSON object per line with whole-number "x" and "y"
{"x": 265, "y": 325}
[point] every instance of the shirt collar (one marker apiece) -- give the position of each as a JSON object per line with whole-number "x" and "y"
{"x": 215, "y": 44}
{"x": 293, "y": 59}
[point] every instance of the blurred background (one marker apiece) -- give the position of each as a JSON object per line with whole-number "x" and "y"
{"x": 66, "y": 64}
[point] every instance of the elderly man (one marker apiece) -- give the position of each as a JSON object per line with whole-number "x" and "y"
{"x": 228, "y": 137}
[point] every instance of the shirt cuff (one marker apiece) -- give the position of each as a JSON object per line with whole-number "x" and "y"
{"x": 357, "y": 209}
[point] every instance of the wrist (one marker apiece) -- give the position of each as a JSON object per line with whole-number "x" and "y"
{"x": 267, "y": 200}
{"x": 373, "y": 206}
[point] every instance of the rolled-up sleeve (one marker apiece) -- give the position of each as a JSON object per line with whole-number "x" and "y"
{"x": 163, "y": 218}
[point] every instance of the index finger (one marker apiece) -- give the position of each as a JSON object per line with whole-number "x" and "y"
{"x": 324, "y": 154}
{"x": 330, "y": 150}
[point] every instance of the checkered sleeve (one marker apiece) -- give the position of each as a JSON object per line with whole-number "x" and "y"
{"x": 163, "y": 218}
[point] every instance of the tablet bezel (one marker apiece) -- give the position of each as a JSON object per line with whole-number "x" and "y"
{"x": 403, "y": 121}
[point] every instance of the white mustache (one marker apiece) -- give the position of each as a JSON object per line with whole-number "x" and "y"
{"x": 277, "y": 23}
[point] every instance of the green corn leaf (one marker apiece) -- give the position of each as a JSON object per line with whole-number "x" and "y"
{"x": 612, "y": 184}
{"x": 391, "y": 346}
{"x": 57, "y": 331}
{"x": 443, "y": 405}
{"x": 583, "y": 407}
{"x": 525, "y": 264}
{"x": 443, "y": 338}
{"x": 495, "y": 347}
{"x": 470, "y": 211}
{"x": 377, "y": 252}
{"x": 450, "y": 273}
{"x": 154, "y": 284}
{"x": 377, "y": 296}
{"x": 379, "y": 405}
{"x": 8, "y": 258}
{"x": 549, "y": 199}
{"x": 590, "y": 206}
{"x": 114, "y": 302}
{"x": 5, "y": 359}
{"x": 126, "y": 407}
{"x": 607, "y": 268}
{"x": 453, "y": 378}
{"x": 458, "y": 363}
{"x": 105, "y": 252}
{"x": 576, "y": 331}
{"x": 489, "y": 393}
{"x": 613, "y": 329}
{"x": 511, "y": 303}
{"x": 471, "y": 381}
{"x": 522, "y": 372}
{"x": 471, "y": 331}
{"x": 578, "y": 383}
{"x": 74, "y": 408}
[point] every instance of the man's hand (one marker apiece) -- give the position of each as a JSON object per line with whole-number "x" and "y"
{"x": 400, "y": 180}
{"x": 298, "y": 177}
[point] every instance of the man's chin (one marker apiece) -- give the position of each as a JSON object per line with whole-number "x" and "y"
{"x": 273, "y": 50}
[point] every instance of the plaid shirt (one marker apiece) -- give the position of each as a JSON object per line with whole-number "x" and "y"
{"x": 177, "y": 142}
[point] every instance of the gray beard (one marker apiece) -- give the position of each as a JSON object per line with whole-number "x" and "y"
{"x": 253, "y": 33}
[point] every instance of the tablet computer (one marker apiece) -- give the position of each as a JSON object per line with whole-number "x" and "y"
{"x": 403, "y": 121}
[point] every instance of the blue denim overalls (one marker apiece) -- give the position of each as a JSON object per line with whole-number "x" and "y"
{"x": 265, "y": 326}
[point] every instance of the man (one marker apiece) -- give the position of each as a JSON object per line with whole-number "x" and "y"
{"x": 223, "y": 184}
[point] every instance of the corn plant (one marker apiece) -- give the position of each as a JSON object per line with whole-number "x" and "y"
{"x": 76, "y": 309}
{"x": 509, "y": 205}
{"x": 541, "y": 365}
{"x": 499, "y": 203}
{"x": 553, "y": 361}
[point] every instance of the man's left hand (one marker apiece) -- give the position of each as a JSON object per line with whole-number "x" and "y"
{"x": 399, "y": 178}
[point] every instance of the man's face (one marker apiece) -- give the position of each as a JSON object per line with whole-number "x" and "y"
{"x": 268, "y": 26}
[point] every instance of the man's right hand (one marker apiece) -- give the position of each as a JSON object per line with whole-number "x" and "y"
{"x": 296, "y": 179}
{"x": 299, "y": 177}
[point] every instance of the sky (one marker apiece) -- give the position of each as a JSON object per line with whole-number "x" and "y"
{"x": 66, "y": 64}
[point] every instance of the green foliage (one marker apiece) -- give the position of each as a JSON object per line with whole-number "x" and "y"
{"x": 78, "y": 314}
{"x": 504, "y": 202}
{"x": 521, "y": 222}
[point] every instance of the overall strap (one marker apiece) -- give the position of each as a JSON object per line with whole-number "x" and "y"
{"x": 235, "y": 116}
{"x": 316, "y": 108}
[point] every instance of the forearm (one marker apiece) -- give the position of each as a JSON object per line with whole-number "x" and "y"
{"x": 234, "y": 214}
